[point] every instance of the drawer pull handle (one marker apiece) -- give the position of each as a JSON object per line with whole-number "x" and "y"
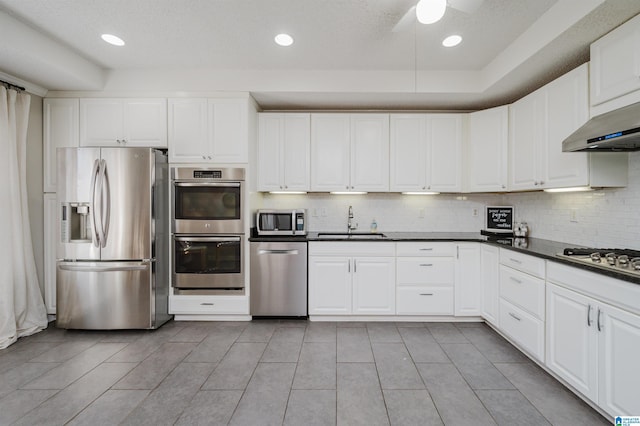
{"x": 599, "y": 325}
{"x": 515, "y": 260}
{"x": 426, "y": 249}
{"x": 514, "y": 316}
{"x": 589, "y": 315}
{"x": 515, "y": 280}
{"x": 206, "y": 304}
{"x": 426, "y": 264}
{"x": 426, "y": 294}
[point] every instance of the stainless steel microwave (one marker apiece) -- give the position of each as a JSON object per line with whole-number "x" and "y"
{"x": 281, "y": 222}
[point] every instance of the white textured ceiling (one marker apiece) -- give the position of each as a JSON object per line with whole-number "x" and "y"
{"x": 331, "y": 36}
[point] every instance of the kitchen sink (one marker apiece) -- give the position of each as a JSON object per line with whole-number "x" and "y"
{"x": 351, "y": 236}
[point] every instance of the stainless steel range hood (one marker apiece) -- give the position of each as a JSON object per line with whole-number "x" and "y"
{"x": 615, "y": 131}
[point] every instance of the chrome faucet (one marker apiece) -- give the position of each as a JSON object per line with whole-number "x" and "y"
{"x": 350, "y": 225}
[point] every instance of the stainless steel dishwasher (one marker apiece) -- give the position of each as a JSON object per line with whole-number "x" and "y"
{"x": 279, "y": 279}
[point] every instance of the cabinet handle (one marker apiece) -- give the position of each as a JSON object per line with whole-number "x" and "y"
{"x": 515, "y": 280}
{"x": 426, "y": 264}
{"x": 457, "y": 252}
{"x": 589, "y": 315}
{"x": 426, "y": 294}
{"x": 209, "y": 157}
{"x": 599, "y": 325}
{"x": 514, "y": 316}
{"x": 426, "y": 249}
{"x": 424, "y": 187}
{"x": 541, "y": 182}
{"x": 286, "y": 187}
{"x": 504, "y": 187}
{"x": 354, "y": 266}
{"x": 204, "y": 157}
{"x": 515, "y": 260}
{"x": 535, "y": 183}
{"x": 206, "y": 304}
{"x": 349, "y": 266}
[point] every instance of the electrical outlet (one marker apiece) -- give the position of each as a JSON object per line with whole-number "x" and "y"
{"x": 421, "y": 213}
{"x": 573, "y": 216}
{"x": 314, "y": 213}
{"x": 474, "y": 212}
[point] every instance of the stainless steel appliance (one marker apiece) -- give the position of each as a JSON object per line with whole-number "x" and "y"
{"x": 279, "y": 279}
{"x": 208, "y": 262}
{"x": 113, "y": 252}
{"x": 619, "y": 260}
{"x": 207, "y": 200}
{"x": 281, "y": 222}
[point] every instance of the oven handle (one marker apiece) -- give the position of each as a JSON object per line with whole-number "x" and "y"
{"x": 208, "y": 239}
{"x": 214, "y": 184}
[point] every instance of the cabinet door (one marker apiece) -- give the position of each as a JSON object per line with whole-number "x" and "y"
{"x": 619, "y": 371}
{"x": 296, "y": 147}
{"x": 468, "y": 286}
{"x": 567, "y": 109}
{"x": 228, "y": 130}
{"x": 270, "y": 136}
{"x": 145, "y": 122}
{"x": 188, "y": 141}
{"x": 489, "y": 275}
{"x": 488, "y": 141}
{"x": 329, "y": 285}
{"x": 572, "y": 339}
{"x": 374, "y": 286}
{"x": 61, "y": 129}
{"x": 615, "y": 63}
{"x": 51, "y": 226}
{"x": 444, "y": 152}
{"x": 370, "y": 152}
{"x": 330, "y": 150}
{"x": 526, "y": 117}
{"x": 408, "y": 141}
{"x": 101, "y": 122}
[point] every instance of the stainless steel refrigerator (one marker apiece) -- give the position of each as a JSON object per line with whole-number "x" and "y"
{"x": 113, "y": 255}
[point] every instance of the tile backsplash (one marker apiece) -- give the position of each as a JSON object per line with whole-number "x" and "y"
{"x": 609, "y": 217}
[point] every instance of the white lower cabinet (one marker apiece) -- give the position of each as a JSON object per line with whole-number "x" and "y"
{"x": 594, "y": 347}
{"x": 489, "y": 275}
{"x": 351, "y": 278}
{"x": 468, "y": 284}
{"x": 424, "y": 300}
{"x": 523, "y": 328}
{"x": 203, "y": 305}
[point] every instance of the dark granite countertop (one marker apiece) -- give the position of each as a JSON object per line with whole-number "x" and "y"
{"x": 545, "y": 249}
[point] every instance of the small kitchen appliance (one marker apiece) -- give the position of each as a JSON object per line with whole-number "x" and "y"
{"x": 281, "y": 222}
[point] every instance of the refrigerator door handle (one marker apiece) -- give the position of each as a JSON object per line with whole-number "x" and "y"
{"x": 78, "y": 268}
{"x": 94, "y": 225}
{"x": 105, "y": 210}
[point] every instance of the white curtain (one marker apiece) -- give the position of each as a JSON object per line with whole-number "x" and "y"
{"x": 22, "y": 311}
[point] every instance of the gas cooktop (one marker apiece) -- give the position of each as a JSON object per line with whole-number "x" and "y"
{"x": 623, "y": 261}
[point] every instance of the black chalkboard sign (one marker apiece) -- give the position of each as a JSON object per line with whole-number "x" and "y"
{"x": 500, "y": 219}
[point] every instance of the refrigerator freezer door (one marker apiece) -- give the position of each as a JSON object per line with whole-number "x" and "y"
{"x": 76, "y": 183}
{"x": 104, "y": 295}
{"x": 125, "y": 209}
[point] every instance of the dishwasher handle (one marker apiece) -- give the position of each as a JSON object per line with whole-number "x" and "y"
{"x": 288, "y": 252}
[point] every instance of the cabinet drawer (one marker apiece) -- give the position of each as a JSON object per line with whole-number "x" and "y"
{"x": 522, "y": 290}
{"x": 522, "y": 262}
{"x": 229, "y": 305}
{"x": 424, "y": 300}
{"x": 425, "y": 271}
{"x": 426, "y": 249}
{"x": 522, "y": 328}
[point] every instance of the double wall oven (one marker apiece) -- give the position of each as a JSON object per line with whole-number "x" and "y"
{"x": 208, "y": 230}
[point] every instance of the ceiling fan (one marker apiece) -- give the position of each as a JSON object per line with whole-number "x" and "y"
{"x": 430, "y": 11}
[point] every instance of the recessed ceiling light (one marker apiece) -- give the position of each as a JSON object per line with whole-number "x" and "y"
{"x": 284, "y": 39}
{"x": 430, "y": 11}
{"x": 452, "y": 40}
{"x": 111, "y": 39}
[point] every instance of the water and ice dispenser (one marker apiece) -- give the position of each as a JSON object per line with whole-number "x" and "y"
{"x": 76, "y": 223}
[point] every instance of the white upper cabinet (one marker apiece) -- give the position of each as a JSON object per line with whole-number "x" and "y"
{"x": 283, "y": 152}
{"x": 349, "y": 152}
{"x": 615, "y": 63}
{"x": 526, "y": 129}
{"x": 209, "y": 130}
{"x": 426, "y": 152}
{"x": 61, "y": 129}
{"x": 487, "y": 148}
{"x": 123, "y": 122}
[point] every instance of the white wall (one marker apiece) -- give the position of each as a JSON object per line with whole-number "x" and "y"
{"x": 606, "y": 218}
{"x": 34, "y": 184}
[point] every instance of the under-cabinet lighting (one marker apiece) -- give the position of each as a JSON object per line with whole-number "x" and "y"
{"x": 347, "y": 193}
{"x": 574, "y": 189}
{"x": 420, "y": 193}
{"x": 287, "y": 192}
